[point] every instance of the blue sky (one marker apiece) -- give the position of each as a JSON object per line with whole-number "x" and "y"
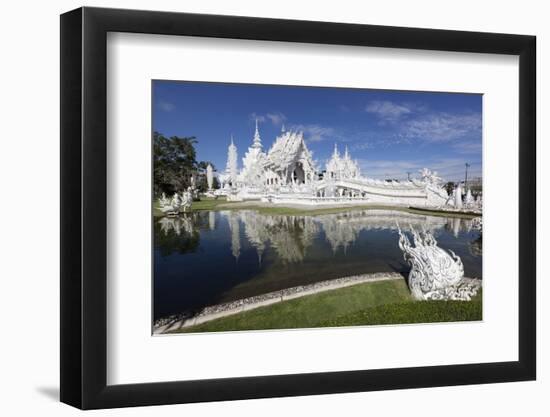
{"x": 390, "y": 133}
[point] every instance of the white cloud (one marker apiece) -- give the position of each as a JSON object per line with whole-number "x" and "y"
{"x": 344, "y": 108}
{"x": 388, "y": 111}
{"x": 166, "y": 106}
{"x": 414, "y": 121}
{"x": 362, "y": 146}
{"x": 468, "y": 147}
{"x": 450, "y": 169}
{"x": 255, "y": 116}
{"x": 276, "y": 118}
{"x": 442, "y": 127}
{"x": 316, "y": 133}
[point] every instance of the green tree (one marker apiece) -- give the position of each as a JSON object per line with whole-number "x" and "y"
{"x": 174, "y": 162}
{"x": 450, "y": 186}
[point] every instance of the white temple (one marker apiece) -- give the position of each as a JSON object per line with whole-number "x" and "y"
{"x": 288, "y": 174}
{"x": 341, "y": 167}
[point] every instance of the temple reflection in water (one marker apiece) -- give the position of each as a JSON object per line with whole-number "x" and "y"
{"x": 290, "y": 236}
{"x": 207, "y": 257}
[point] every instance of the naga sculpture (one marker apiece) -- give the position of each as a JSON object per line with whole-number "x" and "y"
{"x": 435, "y": 274}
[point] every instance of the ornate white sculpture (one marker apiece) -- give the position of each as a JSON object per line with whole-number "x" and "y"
{"x": 435, "y": 193}
{"x": 209, "y": 177}
{"x": 435, "y": 274}
{"x": 458, "y": 196}
{"x": 163, "y": 200}
{"x": 479, "y": 201}
{"x": 186, "y": 200}
{"x": 430, "y": 177}
{"x": 468, "y": 200}
{"x": 176, "y": 204}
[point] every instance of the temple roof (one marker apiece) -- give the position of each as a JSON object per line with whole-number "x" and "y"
{"x": 342, "y": 165}
{"x": 286, "y": 149}
{"x": 257, "y": 142}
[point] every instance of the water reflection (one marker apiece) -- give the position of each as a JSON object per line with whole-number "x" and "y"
{"x": 291, "y": 236}
{"x": 177, "y": 234}
{"x": 177, "y": 225}
{"x": 476, "y": 247}
{"x": 202, "y": 258}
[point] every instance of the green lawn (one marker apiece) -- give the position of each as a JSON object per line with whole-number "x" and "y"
{"x": 210, "y": 203}
{"x": 317, "y": 211}
{"x": 382, "y": 302}
{"x": 412, "y": 312}
{"x": 205, "y": 203}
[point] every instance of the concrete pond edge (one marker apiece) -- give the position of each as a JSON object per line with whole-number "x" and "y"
{"x": 176, "y": 322}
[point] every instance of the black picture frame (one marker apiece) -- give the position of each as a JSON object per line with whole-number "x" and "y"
{"x": 84, "y": 207}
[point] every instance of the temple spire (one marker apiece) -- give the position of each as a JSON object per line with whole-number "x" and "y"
{"x": 335, "y": 153}
{"x": 232, "y": 167}
{"x": 257, "y": 140}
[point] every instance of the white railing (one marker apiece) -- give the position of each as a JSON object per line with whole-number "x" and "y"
{"x": 282, "y": 199}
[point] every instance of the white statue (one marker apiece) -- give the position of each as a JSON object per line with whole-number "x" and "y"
{"x": 209, "y": 177}
{"x": 232, "y": 164}
{"x": 169, "y": 206}
{"x": 435, "y": 274}
{"x": 478, "y": 202}
{"x": 458, "y": 196}
{"x": 163, "y": 201}
{"x": 468, "y": 200}
{"x": 187, "y": 199}
{"x": 176, "y": 204}
{"x": 430, "y": 177}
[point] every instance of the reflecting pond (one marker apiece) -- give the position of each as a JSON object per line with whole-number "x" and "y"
{"x": 205, "y": 258}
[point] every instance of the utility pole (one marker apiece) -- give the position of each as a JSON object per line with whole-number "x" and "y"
{"x": 466, "y": 177}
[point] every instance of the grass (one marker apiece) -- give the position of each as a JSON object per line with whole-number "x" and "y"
{"x": 317, "y": 211}
{"x": 205, "y": 203}
{"x": 210, "y": 203}
{"x": 333, "y": 210}
{"x": 382, "y": 302}
{"x": 412, "y": 312}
